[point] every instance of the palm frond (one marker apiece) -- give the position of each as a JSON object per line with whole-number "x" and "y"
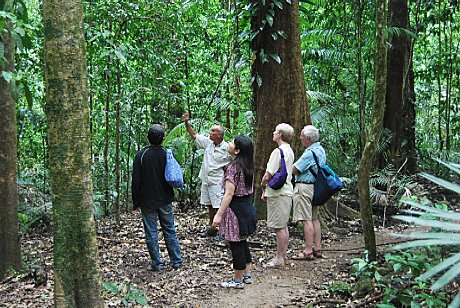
{"x": 448, "y": 225}
{"x": 446, "y": 184}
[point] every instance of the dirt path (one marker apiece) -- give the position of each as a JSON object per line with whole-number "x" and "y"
{"x": 301, "y": 282}
{"x": 124, "y": 261}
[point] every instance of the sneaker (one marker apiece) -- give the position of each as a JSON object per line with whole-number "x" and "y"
{"x": 232, "y": 284}
{"x": 247, "y": 279}
{"x": 218, "y": 238}
{"x": 176, "y": 266}
{"x": 158, "y": 268}
{"x": 209, "y": 232}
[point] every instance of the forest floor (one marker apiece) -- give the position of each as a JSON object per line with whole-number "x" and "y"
{"x": 125, "y": 261}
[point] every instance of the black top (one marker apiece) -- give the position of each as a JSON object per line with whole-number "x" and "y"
{"x": 149, "y": 187}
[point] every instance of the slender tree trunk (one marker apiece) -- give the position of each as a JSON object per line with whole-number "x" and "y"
{"x": 76, "y": 278}
{"x": 10, "y": 249}
{"x": 279, "y": 88}
{"x": 107, "y": 138}
{"x": 360, "y": 79}
{"x": 366, "y": 164}
{"x": 117, "y": 147}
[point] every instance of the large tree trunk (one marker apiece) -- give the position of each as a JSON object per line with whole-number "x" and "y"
{"x": 278, "y": 89}
{"x": 76, "y": 279}
{"x": 399, "y": 116}
{"x": 10, "y": 251}
{"x": 366, "y": 163}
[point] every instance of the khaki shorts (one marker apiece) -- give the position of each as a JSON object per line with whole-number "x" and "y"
{"x": 211, "y": 195}
{"x": 303, "y": 210}
{"x": 278, "y": 211}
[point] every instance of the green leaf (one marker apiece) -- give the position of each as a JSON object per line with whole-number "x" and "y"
{"x": 2, "y": 48}
{"x": 112, "y": 287}
{"x": 447, "y": 277}
{"x": 419, "y": 243}
{"x": 451, "y": 166}
{"x": 278, "y": 4}
{"x": 8, "y": 76}
{"x": 139, "y": 299}
{"x": 263, "y": 56}
{"x": 429, "y": 223}
{"x": 259, "y": 81}
{"x": 446, "y": 184}
{"x": 289, "y": 1}
{"x": 120, "y": 56}
{"x": 269, "y": 20}
{"x": 275, "y": 57}
{"x": 441, "y": 267}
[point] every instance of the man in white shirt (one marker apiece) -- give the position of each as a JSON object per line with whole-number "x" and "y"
{"x": 215, "y": 158}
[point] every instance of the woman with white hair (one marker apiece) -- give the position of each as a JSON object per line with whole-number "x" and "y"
{"x": 279, "y": 201}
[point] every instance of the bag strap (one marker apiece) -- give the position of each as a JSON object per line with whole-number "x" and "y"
{"x": 282, "y": 153}
{"x": 317, "y": 164}
{"x": 143, "y": 153}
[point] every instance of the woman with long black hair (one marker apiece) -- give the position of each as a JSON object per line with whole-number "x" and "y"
{"x": 236, "y": 216}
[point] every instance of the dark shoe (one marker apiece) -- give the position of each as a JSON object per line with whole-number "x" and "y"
{"x": 210, "y": 232}
{"x": 176, "y": 266}
{"x": 302, "y": 256}
{"x": 317, "y": 253}
{"x": 156, "y": 268}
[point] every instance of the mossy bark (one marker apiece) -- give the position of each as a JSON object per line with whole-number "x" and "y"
{"x": 10, "y": 252}
{"x": 278, "y": 89}
{"x": 76, "y": 276}
{"x": 367, "y": 159}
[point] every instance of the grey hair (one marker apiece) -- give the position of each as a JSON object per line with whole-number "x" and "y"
{"x": 220, "y": 129}
{"x": 286, "y": 131}
{"x": 311, "y": 132}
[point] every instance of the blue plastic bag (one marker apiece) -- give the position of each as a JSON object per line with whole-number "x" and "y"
{"x": 173, "y": 171}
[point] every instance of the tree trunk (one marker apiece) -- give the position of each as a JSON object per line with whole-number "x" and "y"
{"x": 366, "y": 164}
{"x": 399, "y": 116}
{"x": 10, "y": 249}
{"x": 117, "y": 147}
{"x": 278, "y": 89}
{"x": 76, "y": 278}
{"x": 107, "y": 137}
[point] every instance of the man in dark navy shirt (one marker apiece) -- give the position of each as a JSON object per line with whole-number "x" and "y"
{"x": 154, "y": 196}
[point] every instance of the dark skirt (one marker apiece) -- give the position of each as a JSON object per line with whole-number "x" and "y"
{"x": 246, "y": 213}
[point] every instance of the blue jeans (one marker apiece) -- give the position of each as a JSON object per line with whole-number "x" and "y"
{"x": 166, "y": 216}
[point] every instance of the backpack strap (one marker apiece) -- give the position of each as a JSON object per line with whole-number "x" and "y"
{"x": 317, "y": 164}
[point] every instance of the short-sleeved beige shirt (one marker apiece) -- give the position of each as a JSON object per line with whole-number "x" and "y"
{"x": 274, "y": 164}
{"x": 215, "y": 158}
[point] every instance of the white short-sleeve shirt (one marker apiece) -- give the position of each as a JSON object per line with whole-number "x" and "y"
{"x": 274, "y": 164}
{"x": 215, "y": 158}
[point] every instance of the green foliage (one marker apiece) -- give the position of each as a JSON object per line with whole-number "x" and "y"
{"x": 445, "y": 231}
{"x": 126, "y": 293}
{"x": 395, "y": 276}
{"x": 31, "y": 216}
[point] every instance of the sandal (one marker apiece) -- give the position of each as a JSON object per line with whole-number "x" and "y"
{"x": 274, "y": 264}
{"x": 317, "y": 254}
{"x": 302, "y": 256}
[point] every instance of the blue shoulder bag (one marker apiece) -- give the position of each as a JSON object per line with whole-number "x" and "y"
{"x": 326, "y": 185}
